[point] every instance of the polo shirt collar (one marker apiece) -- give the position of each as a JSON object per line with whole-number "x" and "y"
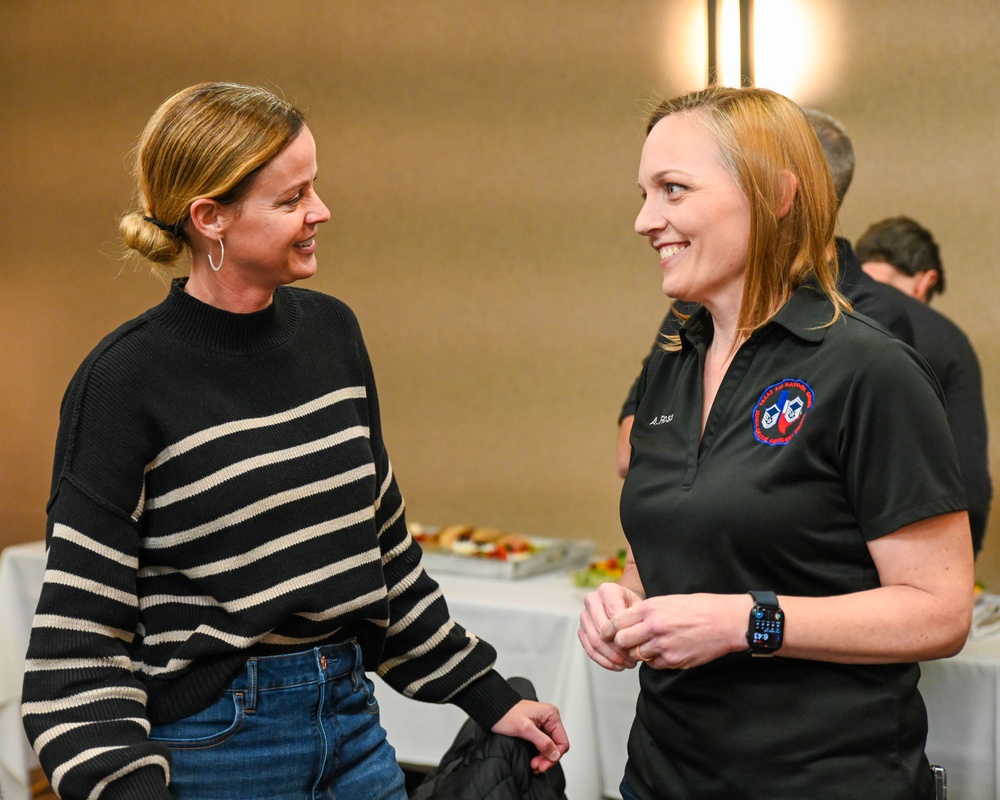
{"x": 805, "y": 315}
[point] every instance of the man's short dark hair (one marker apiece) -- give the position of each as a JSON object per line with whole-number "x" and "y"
{"x": 904, "y": 243}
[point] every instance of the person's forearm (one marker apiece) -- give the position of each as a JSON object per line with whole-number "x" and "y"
{"x": 890, "y": 624}
{"x": 887, "y": 625}
{"x": 630, "y": 576}
{"x": 921, "y": 611}
{"x": 623, "y": 453}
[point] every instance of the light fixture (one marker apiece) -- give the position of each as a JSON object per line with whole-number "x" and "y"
{"x": 730, "y": 42}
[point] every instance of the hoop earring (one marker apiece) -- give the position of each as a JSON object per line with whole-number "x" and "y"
{"x": 222, "y": 256}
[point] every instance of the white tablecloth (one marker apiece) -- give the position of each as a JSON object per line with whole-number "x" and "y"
{"x": 21, "y": 570}
{"x": 962, "y": 695}
{"x": 532, "y": 622}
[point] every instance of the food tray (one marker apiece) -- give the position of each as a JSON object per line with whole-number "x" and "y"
{"x": 551, "y": 555}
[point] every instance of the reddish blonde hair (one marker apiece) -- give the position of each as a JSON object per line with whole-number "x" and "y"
{"x": 760, "y": 134}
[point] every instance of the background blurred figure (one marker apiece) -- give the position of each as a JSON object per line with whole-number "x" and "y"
{"x": 902, "y": 253}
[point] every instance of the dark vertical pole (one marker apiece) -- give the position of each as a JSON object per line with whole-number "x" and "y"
{"x": 746, "y": 42}
{"x": 713, "y": 42}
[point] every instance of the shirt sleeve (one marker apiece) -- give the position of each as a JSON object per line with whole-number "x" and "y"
{"x": 898, "y": 457}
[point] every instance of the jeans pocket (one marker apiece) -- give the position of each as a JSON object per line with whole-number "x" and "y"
{"x": 363, "y": 684}
{"x": 210, "y": 727}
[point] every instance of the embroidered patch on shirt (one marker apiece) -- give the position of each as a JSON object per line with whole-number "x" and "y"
{"x": 781, "y": 411}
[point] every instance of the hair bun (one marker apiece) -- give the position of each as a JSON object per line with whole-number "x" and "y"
{"x": 150, "y": 238}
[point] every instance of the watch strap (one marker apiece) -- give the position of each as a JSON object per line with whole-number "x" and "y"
{"x": 764, "y": 598}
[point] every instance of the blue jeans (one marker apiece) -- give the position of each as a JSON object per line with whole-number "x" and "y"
{"x": 294, "y": 727}
{"x": 626, "y": 791}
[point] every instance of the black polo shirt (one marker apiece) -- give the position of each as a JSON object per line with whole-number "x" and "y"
{"x": 819, "y": 439}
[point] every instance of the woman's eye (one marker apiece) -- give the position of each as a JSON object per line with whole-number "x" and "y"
{"x": 673, "y": 188}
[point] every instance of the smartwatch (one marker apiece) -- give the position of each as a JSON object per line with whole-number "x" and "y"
{"x": 766, "y": 631}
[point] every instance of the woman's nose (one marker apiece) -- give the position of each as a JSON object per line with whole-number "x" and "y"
{"x": 320, "y": 213}
{"x": 648, "y": 220}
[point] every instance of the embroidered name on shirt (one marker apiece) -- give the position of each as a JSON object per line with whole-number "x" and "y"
{"x": 781, "y": 411}
{"x": 662, "y": 420}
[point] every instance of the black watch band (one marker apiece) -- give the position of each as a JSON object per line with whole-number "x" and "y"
{"x": 769, "y": 599}
{"x": 766, "y": 628}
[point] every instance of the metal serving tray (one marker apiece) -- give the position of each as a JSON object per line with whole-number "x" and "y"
{"x": 551, "y": 555}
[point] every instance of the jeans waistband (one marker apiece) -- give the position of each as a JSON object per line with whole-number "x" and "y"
{"x": 292, "y": 669}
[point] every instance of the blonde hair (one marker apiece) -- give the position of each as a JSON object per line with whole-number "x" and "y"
{"x": 760, "y": 133}
{"x": 209, "y": 140}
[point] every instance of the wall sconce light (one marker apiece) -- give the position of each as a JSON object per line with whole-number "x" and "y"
{"x": 730, "y": 42}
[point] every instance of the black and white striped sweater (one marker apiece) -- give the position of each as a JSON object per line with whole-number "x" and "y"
{"x": 221, "y": 490}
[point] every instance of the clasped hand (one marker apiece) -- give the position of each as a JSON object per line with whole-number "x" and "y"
{"x": 619, "y": 628}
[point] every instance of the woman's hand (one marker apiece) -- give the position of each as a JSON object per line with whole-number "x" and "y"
{"x": 682, "y": 630}
{"x": 599, "y": 607}
{"x": 538, "y": 723}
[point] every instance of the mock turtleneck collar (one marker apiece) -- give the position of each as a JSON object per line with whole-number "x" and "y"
{"x": 224, "y": 331}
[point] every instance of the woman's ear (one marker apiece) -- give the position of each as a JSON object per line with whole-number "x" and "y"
{"x": 788, "y": 186}
{"x": 207, "y": 217}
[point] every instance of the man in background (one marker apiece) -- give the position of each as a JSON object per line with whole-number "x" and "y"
{"x": 900, "y": 252}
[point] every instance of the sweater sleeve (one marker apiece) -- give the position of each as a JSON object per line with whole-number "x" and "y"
{"x": 427, "y": 655}
{"x": 83, "y": 709}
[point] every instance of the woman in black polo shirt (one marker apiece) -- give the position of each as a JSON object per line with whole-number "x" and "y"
{"x": 788, "y": 457}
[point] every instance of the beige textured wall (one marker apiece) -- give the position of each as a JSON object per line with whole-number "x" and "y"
{"x": 479, "y": 159}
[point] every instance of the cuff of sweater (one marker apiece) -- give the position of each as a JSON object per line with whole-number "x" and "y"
{"x": 487, "y": 699}
{"x": 146, "y": 783}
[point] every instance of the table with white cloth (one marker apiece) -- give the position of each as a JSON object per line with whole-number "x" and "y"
{"x": 21, "y": 569}
{"x": 532, "y": 623}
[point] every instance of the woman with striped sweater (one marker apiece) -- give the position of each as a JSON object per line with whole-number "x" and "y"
{"x": 227, "y": 549}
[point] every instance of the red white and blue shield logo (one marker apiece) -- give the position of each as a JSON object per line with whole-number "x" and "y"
{"x": 781, "y": 411}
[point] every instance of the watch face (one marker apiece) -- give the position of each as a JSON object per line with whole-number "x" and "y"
{"x": 767, "y": 628}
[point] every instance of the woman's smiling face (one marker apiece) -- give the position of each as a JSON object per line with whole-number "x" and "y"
{"x": 694, "y": 213}
{"x": 270, "y": 236}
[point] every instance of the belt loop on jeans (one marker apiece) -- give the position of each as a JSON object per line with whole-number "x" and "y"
{"x": 358, "y": 667}
{"x": 250, "y": 701}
